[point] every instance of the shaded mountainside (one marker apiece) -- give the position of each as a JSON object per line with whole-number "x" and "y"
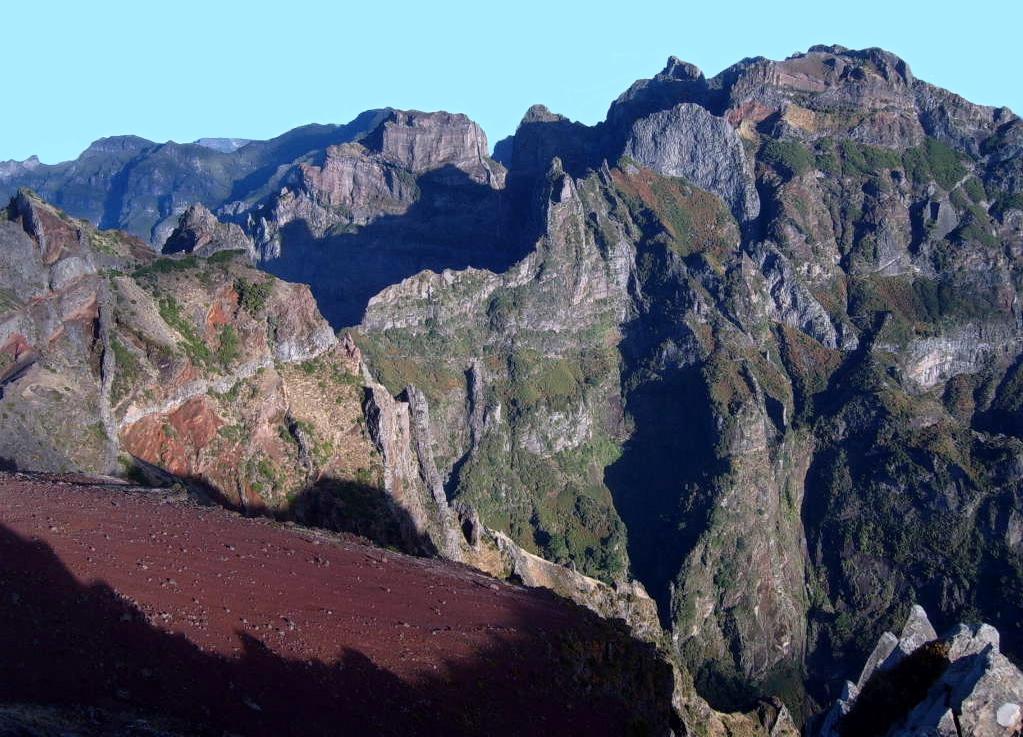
{"x": 142, "y": 187}
{"x": 752, "y": 345}
{"x": 266, "y": 630}
{"x": 389, "y": 194}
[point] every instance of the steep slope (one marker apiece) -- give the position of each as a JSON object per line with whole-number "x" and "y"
{"x": 387, "y": 195}
{"x": 206, "y": 372}
{"x": 774, "y": 389}
{"x": 754, "y": 341}
{"x": 125, "y": 600}
{"x": 418, "y": 192}
{"x": 185, "y": 363}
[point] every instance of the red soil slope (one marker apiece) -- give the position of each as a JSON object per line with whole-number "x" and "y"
{"x": 126, "y": 600}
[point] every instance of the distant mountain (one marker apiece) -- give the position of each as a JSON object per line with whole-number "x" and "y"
{"x": 223, "y": 145}
{"x": 142, "y": 187}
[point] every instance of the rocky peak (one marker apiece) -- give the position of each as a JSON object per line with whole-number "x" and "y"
{"x": 919, "y": 683}
{"x": 680, "y": 70}
{"x": 57, "y": 235}
{"x": 541, "y": 114}
{"x": 420, "y": 142}
{"x": 543, "y": 135}
{"x": 200, "y": 232}
{"x": 688, "y": 141}
{"x": 14, "y": 168}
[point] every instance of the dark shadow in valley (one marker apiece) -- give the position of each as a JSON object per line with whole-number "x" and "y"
{"x": 343, "y": 505}
{"x": 67, "y": 643}
{"x": 455, "y": 223}
{"x": 662, "y": 484}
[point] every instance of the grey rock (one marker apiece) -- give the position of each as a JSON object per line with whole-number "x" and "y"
{"x": 688, "y": 141}
{"x": 794, "y": 304}
{"x": 978, "y": 694}
{"x": 200, "y": 232}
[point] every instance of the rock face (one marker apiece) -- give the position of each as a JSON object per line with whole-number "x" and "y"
{"x": 114, "y": 359}
{"x": 199, "y": 232}
{"x": 689, "y": 142}
{"x": 919, "y": 684}
{"x": 307, "y": 200}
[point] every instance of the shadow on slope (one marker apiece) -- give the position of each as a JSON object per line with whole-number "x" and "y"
{"x": 456, "y": 223}
{"x": 342, "y": 505}
{"x": 662, "y": 483}
{"x": 63, "y": 642}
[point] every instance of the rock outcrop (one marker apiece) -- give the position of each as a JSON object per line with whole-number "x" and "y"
{"x": 920, "y": 684}
{"x": 199, "y": 232}
{"x": 115, "y": 360}
{"x": 823, "y": 328}
{"x": 689, "y": 142}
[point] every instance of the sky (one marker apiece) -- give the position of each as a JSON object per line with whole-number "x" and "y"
{"x": 180, "y": 69}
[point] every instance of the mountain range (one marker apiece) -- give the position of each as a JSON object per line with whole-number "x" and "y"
{"x": 739, "y": 365}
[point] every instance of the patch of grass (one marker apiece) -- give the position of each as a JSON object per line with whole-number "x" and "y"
{"x": 934, "y": 160}
{"x": 229, "y": 348}
{"x": 974, "y": 189}
{"x": 787, "y": 157}
{"x": 193, "y": 345}
{"x": 166, "y": 265}
{"x": 222, "y": 257}
{"x": 8, "y": 301}
{"x": 253, "y": 295}
{"x": 128, "y": 370}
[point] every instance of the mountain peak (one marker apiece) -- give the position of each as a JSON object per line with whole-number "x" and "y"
{"x": 118, "y": 144}
{"x": 678, "y": 69}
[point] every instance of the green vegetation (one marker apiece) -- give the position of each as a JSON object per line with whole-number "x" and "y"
{"x": 166, "y": 265}
{"x": 693, "y": 222}
{"x": 974, "y": 189}
{"x": 253, "y": 295}
{"x": 223, "y": 257}
{"x": 264, "y": 475}
{"x": 231, "y": 395}
{"x": 193, "y": 345}
{"x": 868, "y": 161}
{"x": 104, "y": 242}
{"x": 127, "y": 372}
{"x": 916, "y": 304}
{"x": 8, "y": 301}
{"x": 234, "y": 433}
{"x": 934, "y": 160}
{"x": 229, "y": 348}
{"x": 1008, "y": 201}
{"x": 974, "y": 227}
{"x": 788, "y": 157}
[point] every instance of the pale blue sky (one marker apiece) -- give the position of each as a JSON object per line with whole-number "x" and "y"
{"x": 76, "y": 71}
